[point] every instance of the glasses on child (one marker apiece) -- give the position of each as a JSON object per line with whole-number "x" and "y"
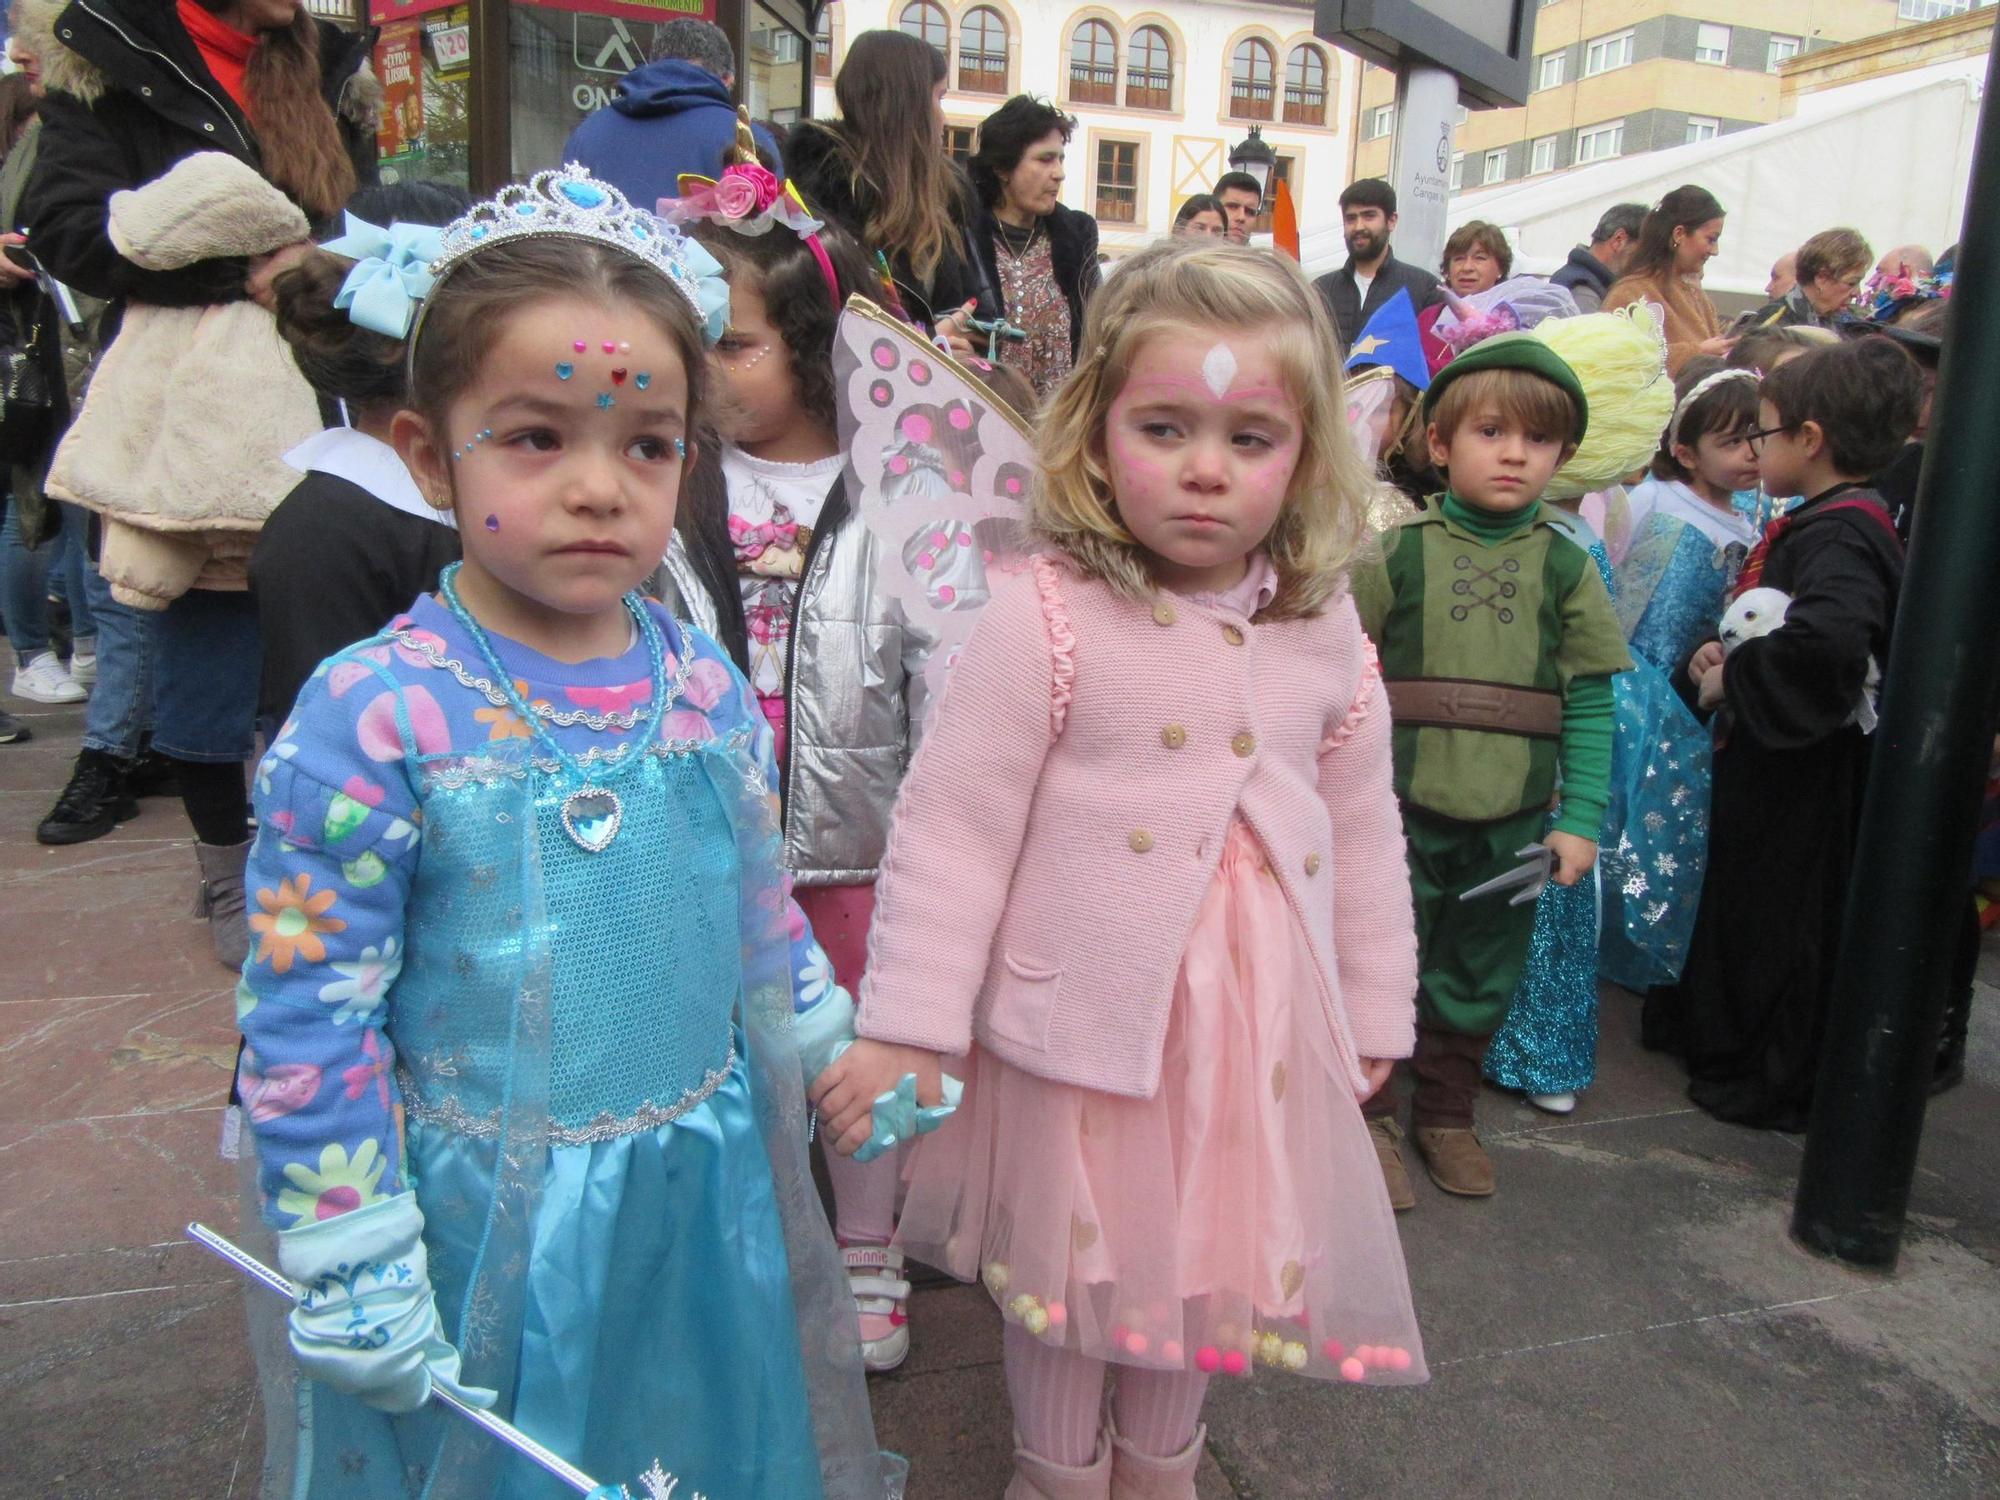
{"x": 1756, "y": 438}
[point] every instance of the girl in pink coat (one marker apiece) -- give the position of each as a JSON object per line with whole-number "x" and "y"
{"x": 1146, "y": 877}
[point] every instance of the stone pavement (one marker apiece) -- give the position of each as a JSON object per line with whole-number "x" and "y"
{"x": 1626, "y": 1318}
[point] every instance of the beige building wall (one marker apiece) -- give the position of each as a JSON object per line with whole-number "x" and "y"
{"x": 1656, "y": 95}
{"x": 1899, "y": 51}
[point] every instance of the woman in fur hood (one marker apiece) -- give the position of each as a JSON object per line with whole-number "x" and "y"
{"x": 187, "y": 151}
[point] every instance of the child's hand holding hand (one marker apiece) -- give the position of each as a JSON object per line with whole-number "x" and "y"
{"x": 1709, "y": 685}
{"x": 845, "y": 1094}
{"x": 1574, "y": 857}
{"x": 1706, "y": 658}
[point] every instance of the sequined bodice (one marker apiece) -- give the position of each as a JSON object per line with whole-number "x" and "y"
{"x": 637, "y": 944}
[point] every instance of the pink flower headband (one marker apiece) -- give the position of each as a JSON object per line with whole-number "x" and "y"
{"x": 749, "y": 200}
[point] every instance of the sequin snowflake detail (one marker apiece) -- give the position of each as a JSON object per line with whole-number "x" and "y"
{"x": 1666, "y": 864}
{"x": 660, "y": 1485}
{"x": 1655, "y": 821}
{"x": 1680, "y": 793}
{"x": 1635, "y": 885}
{"x": 1654, "y": 911}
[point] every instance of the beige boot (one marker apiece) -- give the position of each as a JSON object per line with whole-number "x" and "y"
{"x": 1141, "y": 1476}
{"x": 1388, "y": 1138}
{"x": 1038, "y": 1479}
{"x": 1456, "y": 1160}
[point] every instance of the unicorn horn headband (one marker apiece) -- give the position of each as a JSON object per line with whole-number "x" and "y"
{"x": 570, "y": 204}
{"x": 1701, "y": 388}
{"x": 749, "y": 200}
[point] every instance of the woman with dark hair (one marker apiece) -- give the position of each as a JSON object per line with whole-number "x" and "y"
{"x": 1476, "y": 258}
{"x": 880, "y": 173}
{"x": 1679, "y": 237}
{"x": 1202, "y": 217}
{"x": 1040, "y": 256}
{"x": 186, "y": 151}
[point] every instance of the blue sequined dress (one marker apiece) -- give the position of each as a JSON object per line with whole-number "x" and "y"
{"x": 579, "y": 1061}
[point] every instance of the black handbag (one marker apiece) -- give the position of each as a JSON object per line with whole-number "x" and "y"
{"x": 30, "y": 369}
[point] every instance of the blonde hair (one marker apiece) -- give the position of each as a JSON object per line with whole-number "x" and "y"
{"x": 1229, "y": 289}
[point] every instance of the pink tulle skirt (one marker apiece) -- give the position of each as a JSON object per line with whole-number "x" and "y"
{"x": 1235, "y": 1218}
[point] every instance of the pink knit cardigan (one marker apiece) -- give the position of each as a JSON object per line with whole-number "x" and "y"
{"x": 1067, "y": 811}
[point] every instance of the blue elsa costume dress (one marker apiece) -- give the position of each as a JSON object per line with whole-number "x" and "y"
{"x": 579, "y": 1059}
{"x": 1669, "y": 591}
{"x": 1548, "y": 1044}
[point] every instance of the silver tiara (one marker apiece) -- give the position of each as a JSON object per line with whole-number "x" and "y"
{"x": 573, "y": 205}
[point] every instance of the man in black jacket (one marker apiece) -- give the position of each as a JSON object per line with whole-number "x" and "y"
{"x": 1592, "y": 268}
{"x": 1372, "y": 275}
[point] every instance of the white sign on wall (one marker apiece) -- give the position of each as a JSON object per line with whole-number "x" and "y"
{"x": 1426, "y": 104}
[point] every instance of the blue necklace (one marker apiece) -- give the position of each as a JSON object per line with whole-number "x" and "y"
{"x": 591, "y": 815}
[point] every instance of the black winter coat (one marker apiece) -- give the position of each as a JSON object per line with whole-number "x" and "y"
{"x": 1072, "y": 254}
{"x": 129, "y": 96}
{"x": 818, "y": 163}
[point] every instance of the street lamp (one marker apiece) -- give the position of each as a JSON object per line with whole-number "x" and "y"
{"x": 1254, "y": 155}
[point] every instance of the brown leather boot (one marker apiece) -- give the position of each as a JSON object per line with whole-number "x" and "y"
{"x": 1036, "y": 1478}
{"x": 1456, "y": 1161}
{"x": 1388, "y": 1138}
{"x": 1141, "y": 1476}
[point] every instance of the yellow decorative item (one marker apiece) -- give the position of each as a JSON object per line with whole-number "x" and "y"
{"x": 1621, "y": 360}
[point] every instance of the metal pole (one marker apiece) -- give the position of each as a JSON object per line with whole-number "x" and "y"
{"x": 1931, "y": 753}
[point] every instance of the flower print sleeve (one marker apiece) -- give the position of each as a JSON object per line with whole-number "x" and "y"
{"x": 328, "y": 877}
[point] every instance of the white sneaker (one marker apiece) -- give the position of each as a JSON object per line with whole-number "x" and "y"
{"x": 881, "y": 1303}
{"x": 83, "y": 668}
{"x": 1554, "y": 1104}
{"x": 43, "y": 680}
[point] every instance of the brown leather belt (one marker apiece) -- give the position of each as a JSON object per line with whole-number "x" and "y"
{"x": 1461, "y": 703}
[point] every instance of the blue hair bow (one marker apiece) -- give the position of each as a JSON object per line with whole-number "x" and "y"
{"x": 391, "y": 275}
{"x": 712, "y": 288}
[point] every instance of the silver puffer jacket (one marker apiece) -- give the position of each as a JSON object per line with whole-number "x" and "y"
{"x": 853, "y": 690}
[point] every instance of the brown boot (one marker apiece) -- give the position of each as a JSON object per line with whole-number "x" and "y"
{"x": 1035, "y": 1478}
{"x": 1388, "y": 1138}
{"x": 1456, "y": 1160}
{"x": 1141, "y": 1476}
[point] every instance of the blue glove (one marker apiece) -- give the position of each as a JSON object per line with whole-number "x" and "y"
{"x": 367, "y": 1323}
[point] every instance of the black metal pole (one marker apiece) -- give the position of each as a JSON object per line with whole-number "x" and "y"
{"x": 1932, "y": 748}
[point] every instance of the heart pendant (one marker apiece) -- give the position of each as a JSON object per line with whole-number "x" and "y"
{"x": 591, "y": 818}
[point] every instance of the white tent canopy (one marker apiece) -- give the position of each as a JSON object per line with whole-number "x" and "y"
{"x": 1891, "y": 157}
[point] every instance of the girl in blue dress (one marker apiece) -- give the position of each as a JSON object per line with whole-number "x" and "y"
{"x": 521, "y": 1064}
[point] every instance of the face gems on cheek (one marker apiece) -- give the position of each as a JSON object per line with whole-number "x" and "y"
{"x": 579, "y": 345}
{"x": 643, "y": 379}
{"x": 492, "y": 523}
{"x": 1218, "y": 370}
{"x": 477, "y": 439}
{"x": 564, "y": 369}
{"x": 605, "y": 401}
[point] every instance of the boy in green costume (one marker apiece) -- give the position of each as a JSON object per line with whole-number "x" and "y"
{"x": 1498, "y": 644}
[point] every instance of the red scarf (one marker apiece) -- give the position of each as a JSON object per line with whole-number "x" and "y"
{"x": 225, "y": 49}
{"x": 1753, "y": 565}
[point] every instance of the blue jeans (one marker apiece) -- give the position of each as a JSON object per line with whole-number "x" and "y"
{"x": 120, "y": 711}
{"x": 207, "y": 661}
{"x": 24, "y": 580}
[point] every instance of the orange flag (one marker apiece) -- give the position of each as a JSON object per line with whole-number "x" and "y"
{"x": 1284, "y": 221}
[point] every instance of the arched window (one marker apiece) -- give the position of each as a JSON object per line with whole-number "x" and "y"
{"x": 1253, "y": 76}
{"x": 823, "y": 43}
{"x": 926, "y": 18}
{"x": 982, "y": 52}
{"x": 1093, "y": 64}
{"x": 1305, "y": 86}
{"x": 1149, "y": 70}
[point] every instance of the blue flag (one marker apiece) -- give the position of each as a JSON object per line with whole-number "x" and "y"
{"x": 1391, "y": 339}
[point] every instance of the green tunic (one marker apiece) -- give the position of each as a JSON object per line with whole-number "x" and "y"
{"x": 1526, "y": 610}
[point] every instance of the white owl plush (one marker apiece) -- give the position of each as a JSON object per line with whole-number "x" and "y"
{"x": 1756, "y": 612}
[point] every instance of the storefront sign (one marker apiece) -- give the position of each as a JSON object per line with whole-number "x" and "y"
{"x": 399, "y": 64}
{"x": 452, "y": 46}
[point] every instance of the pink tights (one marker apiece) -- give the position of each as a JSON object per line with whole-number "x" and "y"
{"x": 864, "y": 1196}
{"x": 1058, "y": 1398}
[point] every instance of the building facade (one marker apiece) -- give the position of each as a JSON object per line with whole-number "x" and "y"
{"x": 1615, "y": 78}
{"x": 1161, "y": 93}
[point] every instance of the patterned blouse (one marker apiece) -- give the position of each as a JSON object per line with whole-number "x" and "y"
{"x": 1034, "y": 301}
